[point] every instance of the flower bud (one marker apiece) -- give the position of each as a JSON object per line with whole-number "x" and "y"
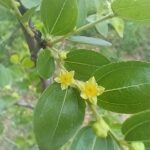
{"x": 101, "y": 128}
{"x": 63, "y": 55}
{"x": 137, "y": 146}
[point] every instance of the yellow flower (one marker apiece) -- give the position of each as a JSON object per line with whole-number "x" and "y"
{"x": 65, "y": 78}
{"x": 90, "y": 90}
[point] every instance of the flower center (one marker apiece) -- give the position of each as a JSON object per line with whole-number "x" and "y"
{"x": 66, "y": 79}
{"x": 91, "y": 90}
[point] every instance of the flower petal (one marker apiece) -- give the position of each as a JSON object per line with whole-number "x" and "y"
{"x": 83, "y": 95}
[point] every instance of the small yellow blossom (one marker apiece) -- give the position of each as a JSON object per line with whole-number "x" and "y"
{"x": 65, "y": 78}
{"x": 90, "y": 90}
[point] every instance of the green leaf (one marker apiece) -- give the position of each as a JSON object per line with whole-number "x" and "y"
{"x": 15, "y": 59}
{"x": 118, "y": 24}
{"x": 84, "y": 62}
{"x": 45, "y": 64}
{"x": 25, "y": 18}
{"x": 59, "y": 16}
{"x": 5, "y": 3}
{"x": 58, "y": 115}
{"x": 90, "y": 41}
{"x": 30, "y": 3}
{"x": 102, "y": 27}
{"x": 137, "y": 127}
{"x": 87, "y": 140}
{"x": 127, "y": 86}
{"x": 147, "y": 145}
{"x": 134, "y": 10}
{"x": 5, "y": 76}
{"x": 27, "y": 63}
{"x": 82, "y": 13}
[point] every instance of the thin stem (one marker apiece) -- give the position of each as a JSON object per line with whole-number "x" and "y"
{"x": 25, "y": 105}
{"x": 10, "y": 141}
{"x": 116, "y": 139}
{"x": 19, "y": 16}
{"x": 96, "y": 113}
{"x": 85, "y": 27}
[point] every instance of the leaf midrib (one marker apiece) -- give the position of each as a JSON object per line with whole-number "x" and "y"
{"x": 79, "y": 63}
{"x": 126, "y": 87}
{"x": 94, "y": 142}
{"x": 57, "y": 124}
{"x": 59, "y": 15}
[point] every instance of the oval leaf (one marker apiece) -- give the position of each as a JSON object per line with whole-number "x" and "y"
{"x": 84, "y": 62}
{"x": 59, "y": 16}
{"x": 90, "y": 41}
{"x": 127, "y": 86}
{"x": 137, "y": 127}
{"x": 87, "y": 140}
{"x": 57, "y": 116}
{"x": 134, "y": 10}
{"x": 45, "y": 64}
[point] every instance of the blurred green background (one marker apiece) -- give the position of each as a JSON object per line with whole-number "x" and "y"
{"x": 20, "y": 85}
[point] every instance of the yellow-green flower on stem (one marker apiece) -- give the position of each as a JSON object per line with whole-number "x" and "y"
{"x": 90, "y": 90}
{"x": 65, "y": 78}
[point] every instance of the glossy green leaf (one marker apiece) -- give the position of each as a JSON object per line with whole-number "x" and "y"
{"x": 87, "y": 140}
{"x": 127, "y": 86}
{"x": 135, "y": 10}
{"x": 59, "y": 16}
{"x": 58, "y": 115}
{"x": 90, "y": 41}
{"x": 45, "y": 64}
{"x": 137, "y": 127}
{"x": 84, "y": 62}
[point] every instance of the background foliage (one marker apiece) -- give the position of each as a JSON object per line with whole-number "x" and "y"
{"x": 21, "y": 85}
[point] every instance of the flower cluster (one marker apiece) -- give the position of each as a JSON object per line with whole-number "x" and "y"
{"x": 89, "y": 90}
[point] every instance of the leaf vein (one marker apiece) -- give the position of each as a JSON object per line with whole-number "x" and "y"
{"x": 59, "y": 15}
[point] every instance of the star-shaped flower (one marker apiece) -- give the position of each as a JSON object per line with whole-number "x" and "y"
{"x": 90, "y": 90}
{"x": 65, "y": 78}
